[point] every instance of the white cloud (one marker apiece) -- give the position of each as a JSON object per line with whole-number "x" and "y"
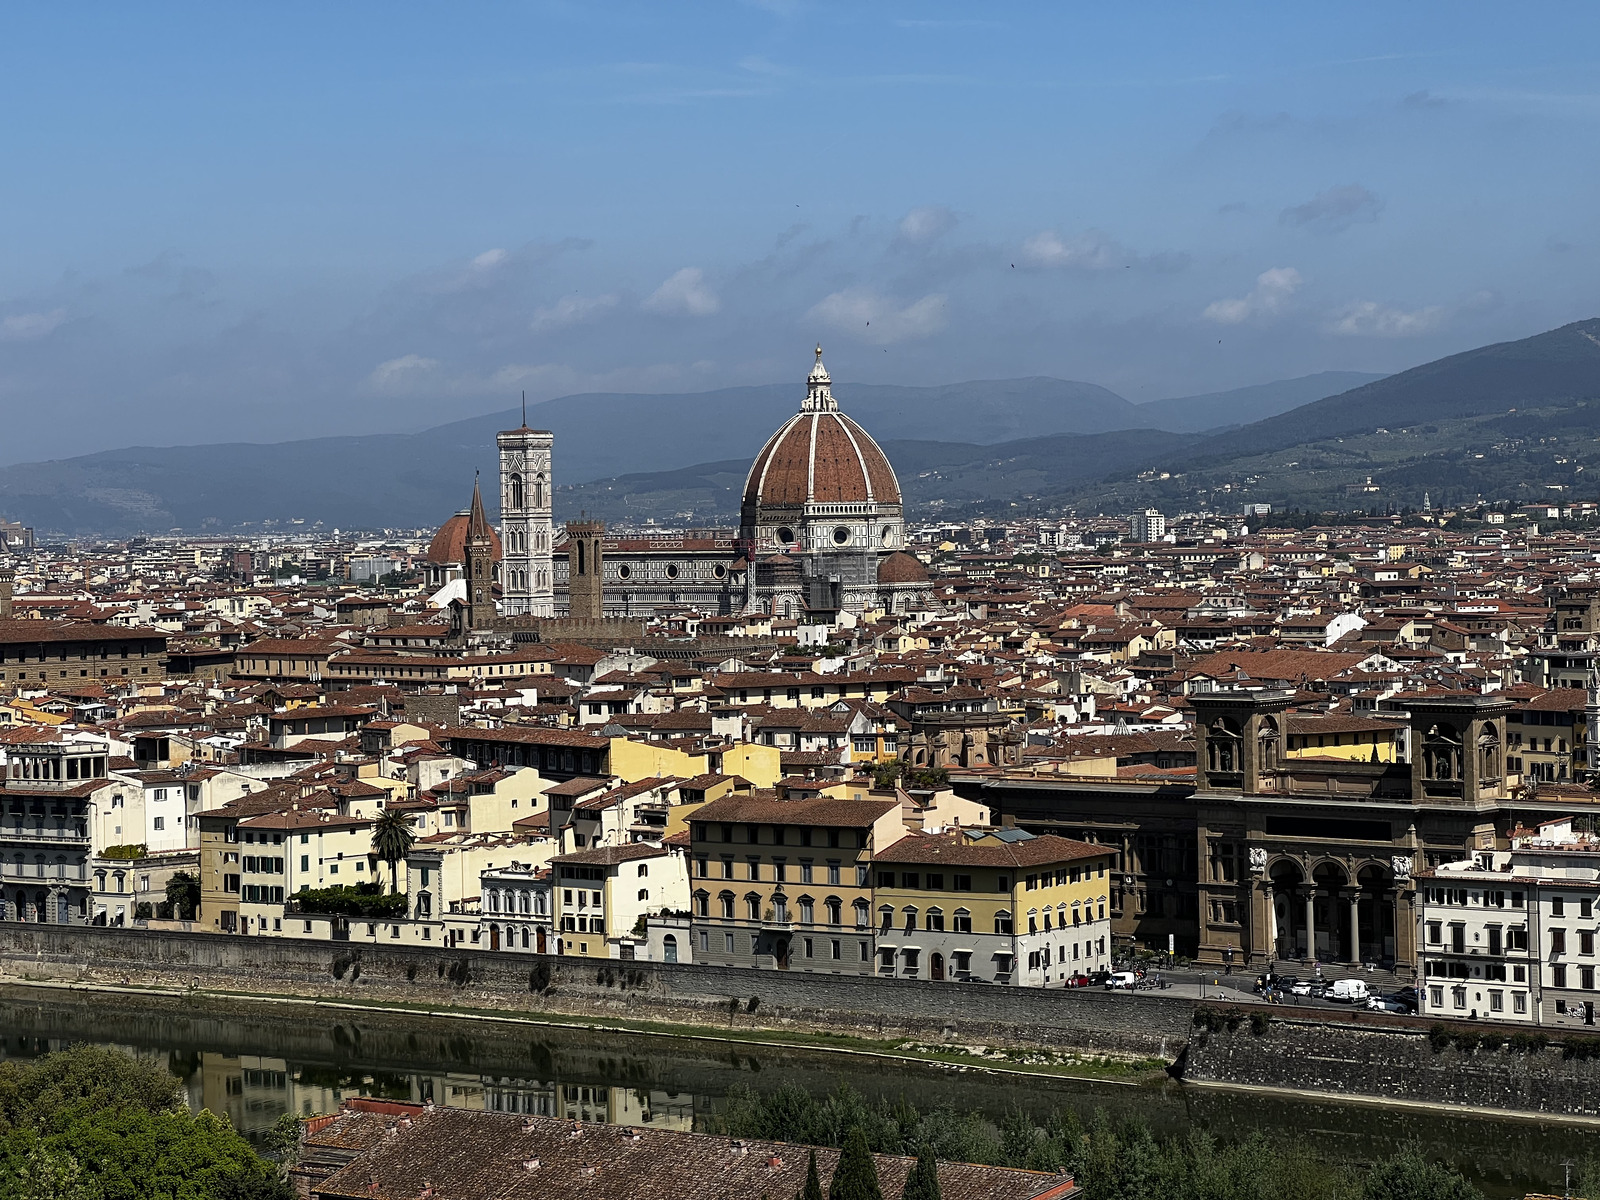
{"x": 490, "y": 259}
{"x": 864, "y": 314}
{"x": 570, "y": 310}
{"x": 30, "y": 327}
{"x": 684, "y": 294}
{"x": 398, "y": 373}
{"x": 1272, "y": 292}
{"x": 1368, "y": 318}
{"x": 1092, "y": 250}
{"x": 926, "y": 224}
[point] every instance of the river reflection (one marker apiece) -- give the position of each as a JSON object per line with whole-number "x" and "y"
{"x": 255, "y": 1062}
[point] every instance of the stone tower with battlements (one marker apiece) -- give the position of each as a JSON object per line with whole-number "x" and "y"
{"x": 586, "y": 569}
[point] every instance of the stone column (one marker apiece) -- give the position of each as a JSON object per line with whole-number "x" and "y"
{"x": 1354, "y": 954}
{"x": 1311, "y": 922}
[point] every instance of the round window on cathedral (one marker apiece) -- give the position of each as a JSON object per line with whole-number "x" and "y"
{"x": 719, "y": 572}
{"x": 672, "y": 570}
{"x": 888, "y": 535}
{"x": 624, "y": 572}
{"x": 841, "y": 536}
{"x": 786, "y": 535}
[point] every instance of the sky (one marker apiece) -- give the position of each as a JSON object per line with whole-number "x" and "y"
{"x": 267, "y": 222}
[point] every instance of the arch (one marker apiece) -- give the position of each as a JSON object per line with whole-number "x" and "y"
{"x": 1267, "y": 744}
{"x": 669, "y": 948}
{"x": 1441, "y": 752}
{"x": 516, "y": 490}
{"x": 1223, "y": 745}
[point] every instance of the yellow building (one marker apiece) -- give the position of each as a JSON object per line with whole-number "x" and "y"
{"x": 1349, "y": 738}
{"x": 786, "y": 884}
{"x": 1001, "y": 905}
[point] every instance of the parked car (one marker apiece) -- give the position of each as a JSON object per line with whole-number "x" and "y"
{"x": 1121, "y": 979}
{"x": 1388, "y": 1004}
{"x": 1098, "y": 978}
{"x": 1408, "y": 996}
{"x": 1283, "y": 983}
{"x": 1350, "y": 991}
{"x": 1305, "y": 987}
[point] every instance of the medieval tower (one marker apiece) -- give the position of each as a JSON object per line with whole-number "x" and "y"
{"x": 585, "y": 569}
{"x": 526, "y": 533}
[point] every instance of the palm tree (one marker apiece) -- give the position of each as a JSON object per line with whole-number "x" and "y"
{"x": 391, "y": 842}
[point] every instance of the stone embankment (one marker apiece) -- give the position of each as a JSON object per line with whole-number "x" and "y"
{"x": 1357, "y": 1055}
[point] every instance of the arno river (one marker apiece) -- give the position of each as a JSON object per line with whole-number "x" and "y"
{"x": 255, "y": 1063}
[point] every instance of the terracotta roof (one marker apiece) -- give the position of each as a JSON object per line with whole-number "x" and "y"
{"x": 962, "y": 850}
{"x": 765, "y": 810}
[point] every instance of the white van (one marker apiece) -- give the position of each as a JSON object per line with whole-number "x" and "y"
{"x": 1121, "y": 979}
{"x": 1349, "y": 991}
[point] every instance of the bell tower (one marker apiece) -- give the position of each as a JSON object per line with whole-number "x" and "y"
{"x": 586, "y": 569}
{"x": 479, "y": 555}
{"x": 526, "y": 532}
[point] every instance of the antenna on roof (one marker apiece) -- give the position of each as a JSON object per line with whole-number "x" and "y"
{"x": 524, "y": 408}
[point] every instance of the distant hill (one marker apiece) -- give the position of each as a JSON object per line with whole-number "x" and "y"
{"x": 1215, "y": 410}
{"x": 410, "y": 480}
{"x": 953, "y": 477}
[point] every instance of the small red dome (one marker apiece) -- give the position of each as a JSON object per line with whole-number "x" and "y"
{"x": 449, "y": 545}
{"x": 901, "y": 567}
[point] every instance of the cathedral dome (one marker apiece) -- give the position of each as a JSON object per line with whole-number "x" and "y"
{"x": 449, "y": 545}
{"x": 820, "y": 456}
{"x": 901, "y": 567}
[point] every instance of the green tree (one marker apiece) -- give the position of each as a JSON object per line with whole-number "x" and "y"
{"x": 391, "y": 842}
{"x": 813, "y": 1186}
{"x": 93, "y": 1124}
{"x": 1408, "y": 1175}
{"x": 923, "y": 1181}
{"x": 856, "y": 1175}
{"x": 183, "y": 893}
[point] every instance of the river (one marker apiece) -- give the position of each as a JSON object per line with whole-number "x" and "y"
{"x": 255, "y": 1062}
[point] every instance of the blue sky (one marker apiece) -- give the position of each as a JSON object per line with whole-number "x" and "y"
{"x": 233, "y": 222}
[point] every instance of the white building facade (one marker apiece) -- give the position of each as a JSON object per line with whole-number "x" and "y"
{"x": 527, "y": 534}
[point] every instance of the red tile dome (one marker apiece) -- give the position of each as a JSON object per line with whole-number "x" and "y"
{"x": 449, "y": 545}
{"x": 820, "y": 456}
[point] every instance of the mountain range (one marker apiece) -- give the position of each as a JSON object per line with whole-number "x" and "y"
{"x": 410, "y": 480}
{"x": 1515, "y": 421}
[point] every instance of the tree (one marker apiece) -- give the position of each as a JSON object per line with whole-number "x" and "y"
{"x": 923, "y": 1182}
{"x": 813, "y": 1187}
{"x": 183, "y": 893}
{"x": 1407, "y": 1175}
{"x": 391, "y": 842}
{"x": 856, "y": 1175}
{"x": 94, "y": 1124}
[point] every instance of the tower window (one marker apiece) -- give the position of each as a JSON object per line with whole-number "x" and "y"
{"x": 841, "y": 535}
{"x": 516, "y": 491}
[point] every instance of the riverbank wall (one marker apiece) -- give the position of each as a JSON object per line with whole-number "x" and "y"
{"x": 1340, "y": 1053}
{"x": 534, "y": 984}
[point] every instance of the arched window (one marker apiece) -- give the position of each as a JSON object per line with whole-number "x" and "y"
{"x": 669, "y": 948}
{"x": 934, "y": 919}
{"x": 861, "y": 910}
{"x": 808, "y": 912}
{"x": 516, "y": 491}
{"x": 886, "y": 918}
{"x": 1002, "y": 922}
{"x": 910, "y": 914}
{"x": 727, "y": 905}
{"x": 833, "y": 908}
{"x": 702, "y": 904}
{"x": 752, "y": 904}
{"x": 962, "y": 920}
